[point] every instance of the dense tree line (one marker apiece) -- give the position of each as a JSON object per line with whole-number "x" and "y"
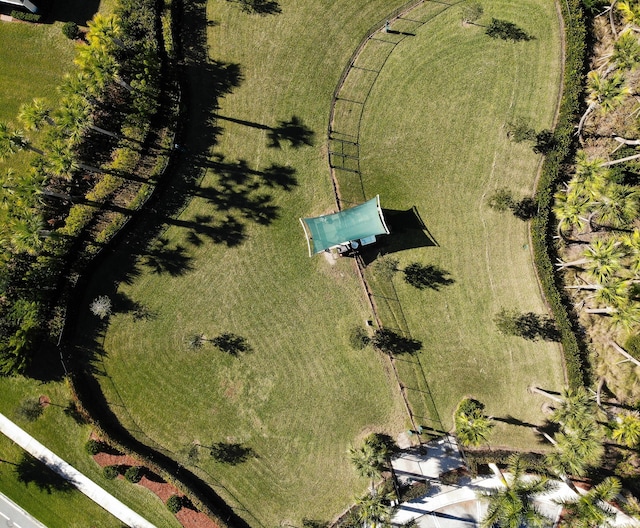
{"x": 80, "y": 153}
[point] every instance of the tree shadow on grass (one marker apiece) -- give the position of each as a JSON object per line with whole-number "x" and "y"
{"x": 428, "y": 276}
{"x": 78, "y": 11}
{"x": 231, "y": 453}
{"x": 393, "y": 343}
{"x": 259, "y": 7}
{"x": 294, "y": 131}
{"x": 31, "y": 471}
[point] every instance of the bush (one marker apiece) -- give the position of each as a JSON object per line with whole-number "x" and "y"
{"x": 174, "y": 503}
{"x": 575, "y": 33}
{"x": 70, "y": 30}
{"x": 133, "y": 474}
{"x": 110, "y": 472}
{"x": 93, "y": 447}
{"x": 500, "y": 200}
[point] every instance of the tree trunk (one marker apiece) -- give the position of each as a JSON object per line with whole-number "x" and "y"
{"x": 600, "y": 311}
{"x": 103, "y": 131}
{"x": 90, "y": 168}
{"x": 622, "y": 351}
{"x": 562, "y": 265}
{"x": 590, "y": 109}
{"x": 583, "y": 287}
{"x": 621, "y": 160}
{"x": 612, "y": 21}
{"x": 538, "y": 390}
{"x": 627, "y": 141}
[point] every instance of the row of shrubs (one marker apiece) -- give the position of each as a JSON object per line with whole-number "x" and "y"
{"x": 575, "y": 355}
{"x": 26, "y": 17}
{"x": 121, "y": 446}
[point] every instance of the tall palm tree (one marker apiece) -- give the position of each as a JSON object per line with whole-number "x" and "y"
{"x": 577, "y": 450}
{"x": 105, "y": 31}
{"x": 626, "y": 428}
{"x": 570, "y": 209}
{"x": 512, "y": 505}
{"x": 34, "y": 114}
{"x": 12, "y": 140}
{"x": 590, "y": 509}
{"x": 605, "y": 93}
{"x": 615, "y": 207}
{"x": 602, "y": 259}
{"x": 472, "y": 425}
{"x": 626, "y": 51}
{"x": 630, "y": 11}
{"x": 369, "y": 462}
{"x": 574, "y": 408}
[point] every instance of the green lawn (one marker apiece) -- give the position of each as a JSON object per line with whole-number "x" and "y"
{"x": 432, "y": 136}
{"x": 32, "y": 62}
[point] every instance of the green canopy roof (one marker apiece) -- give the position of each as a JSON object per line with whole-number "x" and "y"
{"x": 360, "y": 222}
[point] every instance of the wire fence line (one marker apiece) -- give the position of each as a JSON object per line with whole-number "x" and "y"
{"x": 343, "y": 137}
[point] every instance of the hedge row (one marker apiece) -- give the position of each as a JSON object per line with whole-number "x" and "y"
{"x": 575, "y": 353}
{"x": 27, "y": 17}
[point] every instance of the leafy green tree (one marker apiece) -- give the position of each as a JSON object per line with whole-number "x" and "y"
{"x": 590, "y": 509}
{"x": 512, "y": 505}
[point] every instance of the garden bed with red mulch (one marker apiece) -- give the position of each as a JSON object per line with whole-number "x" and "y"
{"x": 188, "y": 516}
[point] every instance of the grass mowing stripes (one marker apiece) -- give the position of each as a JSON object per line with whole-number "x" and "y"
{"x": 434, "y": 136}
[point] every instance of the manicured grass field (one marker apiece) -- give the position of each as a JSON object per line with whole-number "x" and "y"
{"x": 236, "y": 260}
{"x": 434, "y": 136}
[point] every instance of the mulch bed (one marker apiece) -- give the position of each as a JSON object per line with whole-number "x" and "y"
{"x": 189, "y": 517}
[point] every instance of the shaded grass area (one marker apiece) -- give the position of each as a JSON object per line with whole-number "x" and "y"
{"x": 47, "y": 497}
{"x": 433, "y": 136}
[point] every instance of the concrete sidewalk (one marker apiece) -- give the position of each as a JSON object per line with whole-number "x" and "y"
{"x": 69, "y": 473}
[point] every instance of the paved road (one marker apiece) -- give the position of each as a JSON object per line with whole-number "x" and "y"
{"x": 13, "y": 516}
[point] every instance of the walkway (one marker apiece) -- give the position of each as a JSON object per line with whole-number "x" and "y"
{"x": 457, "y": 506}
{"x": 69, "y": 473}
